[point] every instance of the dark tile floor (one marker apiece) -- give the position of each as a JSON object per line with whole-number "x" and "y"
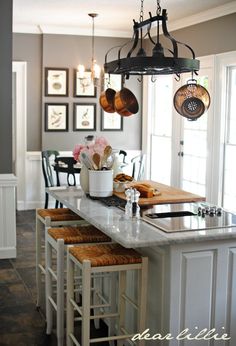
{"x": 20, "y": 323}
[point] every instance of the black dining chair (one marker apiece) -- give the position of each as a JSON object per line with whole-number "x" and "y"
{"x": 65, "y": 164}
{"x": 49, "y": 156}
{"x": 124, "y": 154}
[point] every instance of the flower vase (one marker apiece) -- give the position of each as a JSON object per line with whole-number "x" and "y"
{"x": 84, "y": 179}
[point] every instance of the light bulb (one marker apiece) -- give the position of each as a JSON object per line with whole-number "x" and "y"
{"x": 81, "y": 70}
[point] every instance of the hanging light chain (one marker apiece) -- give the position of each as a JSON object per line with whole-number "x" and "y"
{"x": 92, "y": 39}
{"x": 141, "y": 12}
{"x": 158, "y": 12}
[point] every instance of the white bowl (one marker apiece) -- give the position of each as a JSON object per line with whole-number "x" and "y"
{"x": 120, "y": 186}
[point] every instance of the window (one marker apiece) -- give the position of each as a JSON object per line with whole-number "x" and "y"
{"x": 229, "y": 181}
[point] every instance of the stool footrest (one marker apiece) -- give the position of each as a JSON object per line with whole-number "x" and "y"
{"x": 53, "y": 303}
{"x": 125, "y": 297}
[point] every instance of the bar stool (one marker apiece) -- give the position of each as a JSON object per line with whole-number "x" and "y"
{"x": 98, "y": 259}
{"x": 58, "y": 239}
{"x": 49, "y": 218}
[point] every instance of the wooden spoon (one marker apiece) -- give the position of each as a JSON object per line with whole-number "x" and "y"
{"x": 97, "y": 160}
{"x": 107, "y": 152}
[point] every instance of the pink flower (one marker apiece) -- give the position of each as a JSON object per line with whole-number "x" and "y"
{"x": 101, "y": 141}
{"x": 77, "y": 151}
{"x": 96, "y": 147}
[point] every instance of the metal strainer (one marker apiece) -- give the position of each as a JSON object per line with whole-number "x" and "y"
{"x": 191, "y": 100}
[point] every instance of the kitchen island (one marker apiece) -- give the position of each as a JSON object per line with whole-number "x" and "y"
{"x": 192, "y": 274}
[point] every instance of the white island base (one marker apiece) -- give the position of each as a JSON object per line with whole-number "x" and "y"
{"x": 192, "y": 275}
{"x": 192, "y": 286}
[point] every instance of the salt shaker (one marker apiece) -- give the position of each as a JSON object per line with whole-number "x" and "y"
{"x": 128, "y": 206}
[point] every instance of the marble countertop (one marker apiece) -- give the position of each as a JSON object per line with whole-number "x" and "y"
{"x": 128, "y": 232}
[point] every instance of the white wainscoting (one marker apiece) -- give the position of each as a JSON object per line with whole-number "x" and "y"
{"x": 32, "y": 195}
{"x": 7, "y": 216}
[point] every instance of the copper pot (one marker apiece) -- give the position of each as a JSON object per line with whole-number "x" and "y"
{"x": 126, "y": 103}
{"x": 106, "y": 100}
{"x": 192, "y": 100}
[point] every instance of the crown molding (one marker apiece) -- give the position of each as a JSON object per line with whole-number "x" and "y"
{"x": 67, "y": 30}
{"x": 197, "y": 18}
{"x": 204, "y": 16}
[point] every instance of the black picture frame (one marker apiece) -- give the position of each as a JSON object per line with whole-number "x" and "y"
{"x": 84, "y": 116}
{"x": 111, "y": 121}
{"x": 56, "y": 117}
{"x": 56, "y": 81}
{"x": 85, "y": 89}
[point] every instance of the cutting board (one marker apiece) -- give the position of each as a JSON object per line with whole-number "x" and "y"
{"x": 166, "y": 194}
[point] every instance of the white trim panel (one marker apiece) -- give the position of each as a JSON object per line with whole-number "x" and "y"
{"x": 7, "y": 216}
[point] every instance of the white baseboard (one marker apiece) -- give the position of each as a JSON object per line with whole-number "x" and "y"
{"x": 33, "y": 205}
{"x": 7, "y": 252}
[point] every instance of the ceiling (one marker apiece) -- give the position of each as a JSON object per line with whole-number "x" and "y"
{"x": 115, "y": 18}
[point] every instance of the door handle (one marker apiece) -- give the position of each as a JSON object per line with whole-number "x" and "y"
{"x": 180, "y": 153}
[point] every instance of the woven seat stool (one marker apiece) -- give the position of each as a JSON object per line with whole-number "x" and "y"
{"x": 58, "y": 239}
{"x": 49, "y": 218}
{"x": 102, "y": 258}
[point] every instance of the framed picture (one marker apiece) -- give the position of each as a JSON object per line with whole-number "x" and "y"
{"x": 56, "y": 81}
{"x": 84, "y": 87}
{"x": 56, "y": 117}
{"x": 84, "y": 117}
{"x": 111, "y": 122}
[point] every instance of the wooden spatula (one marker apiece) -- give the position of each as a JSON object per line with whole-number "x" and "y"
{"x": 107, "y": 152}
{"x": 97, "y": 160}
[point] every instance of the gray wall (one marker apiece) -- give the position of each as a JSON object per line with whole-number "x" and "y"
{"x": 211, "y": 37}
{"x": 40, "y": 51}
{"x": 6, "y": 86}
{"x": 28, "y": 47}
{"x": 69, "y": 51}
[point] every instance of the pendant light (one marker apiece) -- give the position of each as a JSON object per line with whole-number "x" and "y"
{"x": 95, "y": 68}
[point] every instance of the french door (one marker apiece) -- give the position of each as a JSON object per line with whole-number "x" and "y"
{"x": 194, "y": 143}
{"x": 179, "y": 148}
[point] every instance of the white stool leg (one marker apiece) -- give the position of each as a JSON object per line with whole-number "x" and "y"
{"x": 60, "y": 292}
{"x": 122, "y": 289}
{"x": 39, "y": 284}
{"x": 48, "y": 285}
{"x": 97, "y": 288}
{"x": 69, "y": 306}
{"x": 142, "y": 303}
{"x": 86, "y": 295}
{"x": 111, "y": 328}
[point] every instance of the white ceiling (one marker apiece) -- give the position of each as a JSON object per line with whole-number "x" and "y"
{"x": 115, "y": 18}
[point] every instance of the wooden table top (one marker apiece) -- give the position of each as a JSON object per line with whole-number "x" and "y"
{"x": 167, "y": 194}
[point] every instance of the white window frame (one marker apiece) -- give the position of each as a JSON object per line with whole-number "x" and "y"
{"x": 216, "y": 125}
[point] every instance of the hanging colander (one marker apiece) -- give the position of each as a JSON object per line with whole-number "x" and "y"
{"x": 192, "y": 100}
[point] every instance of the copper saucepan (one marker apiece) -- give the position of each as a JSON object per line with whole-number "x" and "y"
{"x": 126, "y": 103}
{"x": 106, "y": 100}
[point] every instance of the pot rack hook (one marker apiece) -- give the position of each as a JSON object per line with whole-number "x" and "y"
{"x": 153, "y": 79}
{"x": 177, "y": 77}
{"x": 140, "y": 79}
